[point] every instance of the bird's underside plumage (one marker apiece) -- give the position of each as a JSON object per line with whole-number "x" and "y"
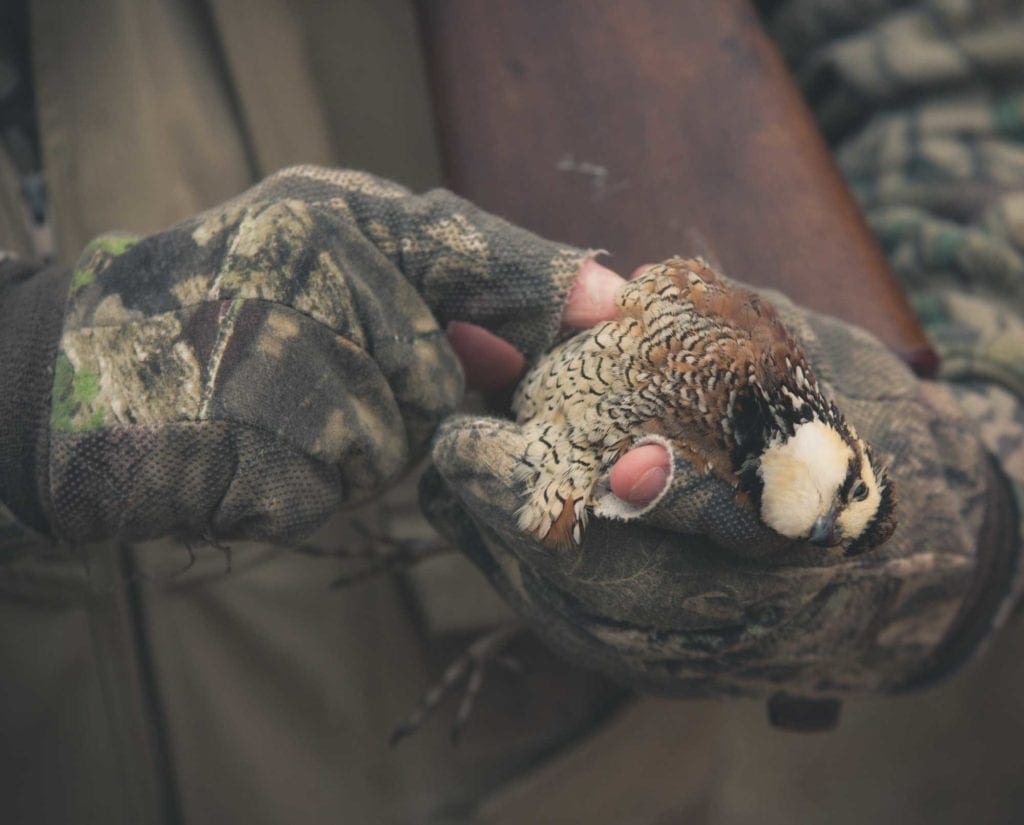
{"x": 692, "y": 359}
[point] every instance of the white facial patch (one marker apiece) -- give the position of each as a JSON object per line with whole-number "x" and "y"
{"x": 801, "y": 478}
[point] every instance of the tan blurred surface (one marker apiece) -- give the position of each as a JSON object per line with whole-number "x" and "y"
{"x": 948, "y": 755}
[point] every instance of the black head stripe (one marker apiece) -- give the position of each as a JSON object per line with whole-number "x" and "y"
{"x": 853, "y": 469}
{"x": 882, "y": 525}
{"x": 751, "y": 483}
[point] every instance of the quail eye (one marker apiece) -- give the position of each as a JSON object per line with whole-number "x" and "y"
{"x": 859, "y": 491}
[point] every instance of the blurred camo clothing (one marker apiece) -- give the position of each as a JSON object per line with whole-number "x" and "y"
{"x": 265, "y": 696}
{"x": 924, "y": 103}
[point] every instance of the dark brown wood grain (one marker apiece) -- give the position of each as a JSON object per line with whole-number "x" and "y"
{"x": 651, "y": 128}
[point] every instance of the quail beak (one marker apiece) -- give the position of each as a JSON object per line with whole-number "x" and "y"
{"x": 825, "y": 532}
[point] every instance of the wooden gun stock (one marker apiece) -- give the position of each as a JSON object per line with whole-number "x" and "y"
{"x": 651, "y": 128}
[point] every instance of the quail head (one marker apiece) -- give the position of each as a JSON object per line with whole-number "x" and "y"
{"x": 709, "y": 368}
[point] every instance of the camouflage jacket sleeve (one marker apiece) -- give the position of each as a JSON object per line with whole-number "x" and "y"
{"x": 248, "y": 370}
{"x": 924, "y": 105}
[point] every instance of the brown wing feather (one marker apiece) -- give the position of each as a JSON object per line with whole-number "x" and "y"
{"x": 747, "y": 315}
{"x": 560, "y": 536}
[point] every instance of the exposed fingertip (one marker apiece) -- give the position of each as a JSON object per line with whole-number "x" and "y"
{"x": 648, "y": 487}
{"x": 639, "y": 477}
{"x": 591, "y": 298}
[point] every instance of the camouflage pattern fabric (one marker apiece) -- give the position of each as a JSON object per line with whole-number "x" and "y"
{"x": 924, "y": 102}
{"x": 245, "y": 372}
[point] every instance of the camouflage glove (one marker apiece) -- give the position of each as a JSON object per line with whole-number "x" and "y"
{"x": 696, "y": 598}
{"x": 248, "y": 370}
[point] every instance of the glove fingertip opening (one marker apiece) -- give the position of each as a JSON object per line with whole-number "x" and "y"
{"x": 609, "y": 505}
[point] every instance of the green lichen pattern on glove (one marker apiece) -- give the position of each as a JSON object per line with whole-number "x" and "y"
{"x": 248, "y": 370}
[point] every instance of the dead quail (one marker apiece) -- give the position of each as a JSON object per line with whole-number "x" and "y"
{"x": 710, "y": 368}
